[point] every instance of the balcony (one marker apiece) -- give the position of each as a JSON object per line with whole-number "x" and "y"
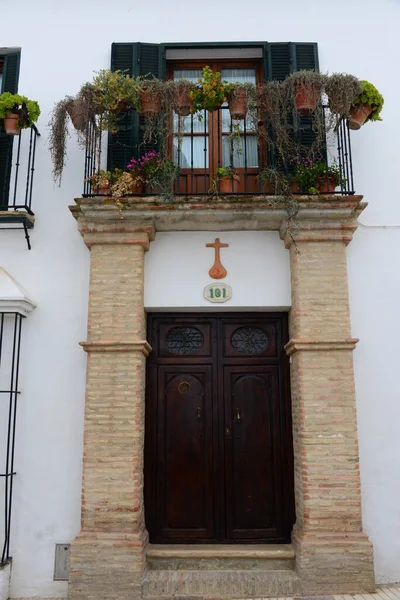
{"x": 16, "y": 180}
{"x": 201, "y": 148}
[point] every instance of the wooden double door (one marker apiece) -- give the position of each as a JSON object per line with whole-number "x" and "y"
{"x": 218, "y": 448}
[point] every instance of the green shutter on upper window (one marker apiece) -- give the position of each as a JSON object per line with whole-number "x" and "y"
{"x": 281, "y": 59}
{"x": 136, "y": 59}
{"x": 9, "y": 84}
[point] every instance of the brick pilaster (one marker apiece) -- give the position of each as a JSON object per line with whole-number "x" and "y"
{"x": 333, "y": 555}
{"x": 107, "y": 557}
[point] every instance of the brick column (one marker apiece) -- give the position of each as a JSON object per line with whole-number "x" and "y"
{"x": 333, "y": 555}
{"x": 107, "y": 557}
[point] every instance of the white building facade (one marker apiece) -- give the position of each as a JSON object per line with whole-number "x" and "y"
{"x": 61, "y": 46}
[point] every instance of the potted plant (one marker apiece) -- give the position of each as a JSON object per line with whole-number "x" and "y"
{"x": 241, "y": 97}
{"x": 342, "y": 89}
{"x": 114, "y": 92}
{"x": 100, "y": 182}
{"x": 211, "y": 92}
{"x": 179, "y": 99}
{"x": 314, "y": 176}
{"x": 366, "y": 107}
{"x": 228, "y": 180}
{"x": 17, "y": 112}
{"x": 162, "y": 175}
{"x": 123, "y": 184}
{"x": 305, "y": 87}
{"x": 151, "y": 93}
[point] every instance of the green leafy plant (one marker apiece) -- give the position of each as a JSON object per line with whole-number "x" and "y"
{"x": 225, "y": 172}
{"x": 210, "y": 92}
{"x": 28, "y": 111}
{"x": 370, "y": 95}
{"x": 114, "y": 92}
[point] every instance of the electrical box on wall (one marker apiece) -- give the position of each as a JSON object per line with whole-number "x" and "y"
{"x": 61, "y": 562}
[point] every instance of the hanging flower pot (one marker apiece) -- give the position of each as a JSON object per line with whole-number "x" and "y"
{"x": 77, "y": 118}
{"x": 358, "y": 115}
{"x": 326, "y": 185}
{"x": 238, "y": 104}
{"x": 229, "y": 185}
{"x": 183, "y": 103}
{"x": 306, "y": 99}
{"x": 11, "y": 124}
{"x": 150, "y": 103}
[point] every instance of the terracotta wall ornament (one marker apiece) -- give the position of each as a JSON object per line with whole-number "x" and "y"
{"x": 217, "y": 271}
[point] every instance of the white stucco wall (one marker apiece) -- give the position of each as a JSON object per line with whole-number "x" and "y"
{"x": 176, "y": 271}
{"x": 62, "y": 44}
{"x": 5, "y": 582}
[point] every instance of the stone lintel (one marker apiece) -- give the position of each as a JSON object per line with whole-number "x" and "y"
{"x": 215, "y": 213}
{"x": 295, "y": 345}
{"x": 140, "y": 346}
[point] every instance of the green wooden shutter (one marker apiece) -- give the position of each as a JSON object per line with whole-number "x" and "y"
{"x": 9, "y": 84}
{"x": 136, "y": 59}
{"x": 281, "y": 59}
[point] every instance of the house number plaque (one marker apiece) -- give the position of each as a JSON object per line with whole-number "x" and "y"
{"x": 218, "y": 292}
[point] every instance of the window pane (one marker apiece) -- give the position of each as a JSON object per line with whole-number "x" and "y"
{"x": 190, "y": 74}
{"x": 239, "y": 75}
{"x": 240, "y": 154}
{"x": 193, "y": 152}
{"x": 199, "y": 126}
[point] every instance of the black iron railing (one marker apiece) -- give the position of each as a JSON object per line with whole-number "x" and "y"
{"x": 10, "y": 344}
{"x": 202, "y": 146}
{"x": 17, "y": 170}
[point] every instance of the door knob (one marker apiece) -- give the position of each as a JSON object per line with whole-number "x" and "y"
{"x": 238, "y": 416}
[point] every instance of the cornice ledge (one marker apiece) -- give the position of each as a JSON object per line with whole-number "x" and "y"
{"x": 300, "y": 344}
{"x": 140, "y": 346}
{"x": 210, "y": 213}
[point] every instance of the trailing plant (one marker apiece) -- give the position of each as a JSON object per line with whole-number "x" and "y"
{"x": 123, "y": 184}
{"x": 211, "y": 92}
{"x": 178, "y": 96}
{"x": 341, "y": 90}
{"x": 28, "y": 111}
{"x": 370, "y": 95}
{"x": 163, "y": 178}
{"x": 100, "y": 179}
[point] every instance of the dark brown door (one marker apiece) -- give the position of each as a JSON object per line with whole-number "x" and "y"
{"x": 218, "y": 452}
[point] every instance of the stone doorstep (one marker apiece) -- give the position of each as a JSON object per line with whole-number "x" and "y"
{"x": 221, "y": 557}
{"x": 267, "y": 552}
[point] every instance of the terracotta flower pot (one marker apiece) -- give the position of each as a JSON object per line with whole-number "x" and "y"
{"x": 77, "y": 118}
{"x": 11, "y": 124}
{"x": 228, "y": 185}
{"x": 238, "y": 105}
{"x": 306, "y": 99}
{"x": 358, "y": 115}
{"x": 183, "y": 104}
{"x": 102, "y": 189}
{"x": 123, "y": 106}
{"x": 138, "y": 187}
{"x": 150, "y": 105}
{"x": 326, "y": 185}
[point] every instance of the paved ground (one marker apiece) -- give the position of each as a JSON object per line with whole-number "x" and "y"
{"x": 383, "y": 592}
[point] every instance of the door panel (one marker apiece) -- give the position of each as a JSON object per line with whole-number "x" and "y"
{"x": 218, "y": 457}
{"x": 251, "y": 437}
{"x": 185, "y": 453}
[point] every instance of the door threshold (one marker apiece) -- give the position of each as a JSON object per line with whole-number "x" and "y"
{"x": 263, "y": 551}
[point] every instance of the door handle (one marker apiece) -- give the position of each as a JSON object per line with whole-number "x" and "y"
{"x": 198, "y": 413}
{"x": 238, "y": 416}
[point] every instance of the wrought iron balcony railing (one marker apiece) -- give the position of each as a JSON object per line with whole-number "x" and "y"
{"x": 202, "y": 146}
{"x": 18, "y": 154}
